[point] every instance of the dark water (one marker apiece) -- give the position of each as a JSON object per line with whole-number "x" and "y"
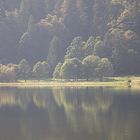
{"x": 69, "y": 114}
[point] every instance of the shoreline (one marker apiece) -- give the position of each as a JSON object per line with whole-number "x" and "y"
{"x": 31, "y": 83}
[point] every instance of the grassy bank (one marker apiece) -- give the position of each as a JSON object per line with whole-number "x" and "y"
{"x": 112, "y": 82}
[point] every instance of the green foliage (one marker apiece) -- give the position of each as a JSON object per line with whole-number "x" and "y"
{"x": 24, "y": 69}
{"x": 104, "y": 69}
{"x": 41, "y": 70}
{"x": 90, "y": 64}
{"x": 56, "y": 73}
{"x": 99, "y": 49}
{"x": 71, "y": 16}
{"x": 75, "y": 50}
{"x": 57, "y": 30}
{"x": 95, "y": 67}
{"x": 71, "y": 69}
{"x": 54, "y": 53}
{"x": 89, "y": 46}
{"x": 7, "y": 73}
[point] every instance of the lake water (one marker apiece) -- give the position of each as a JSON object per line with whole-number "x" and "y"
{"x": 69, "y": 114}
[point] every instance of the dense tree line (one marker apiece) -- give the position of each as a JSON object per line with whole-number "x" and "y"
{"x": 60, "y": 32}
{"x": 24, "y": 71}
{"x": 81, "y": 61}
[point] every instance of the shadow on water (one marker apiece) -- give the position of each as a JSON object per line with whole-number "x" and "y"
{"x": 69, "y": 114}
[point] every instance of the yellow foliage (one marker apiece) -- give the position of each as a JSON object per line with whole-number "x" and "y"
{"x": 129, "y": 35}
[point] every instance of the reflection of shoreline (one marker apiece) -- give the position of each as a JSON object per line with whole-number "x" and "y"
{"x": 98, "y": 113}
{"x": 41, "y": 98}
{"x": 62, "y": 97}
{"x": 83, "y": 107}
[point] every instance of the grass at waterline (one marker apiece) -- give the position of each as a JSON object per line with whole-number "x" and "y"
{"x": 111, "y": 82}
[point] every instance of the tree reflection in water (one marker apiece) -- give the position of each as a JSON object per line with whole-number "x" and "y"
{"x": 69, "y": 114}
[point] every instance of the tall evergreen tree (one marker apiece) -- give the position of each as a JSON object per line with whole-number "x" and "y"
{"x": 54, "y": 53}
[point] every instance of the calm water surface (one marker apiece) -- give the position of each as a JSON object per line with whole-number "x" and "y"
{"x": 69, "y": 114}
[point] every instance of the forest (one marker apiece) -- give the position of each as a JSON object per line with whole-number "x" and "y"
{"x": 69, "y": 39}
